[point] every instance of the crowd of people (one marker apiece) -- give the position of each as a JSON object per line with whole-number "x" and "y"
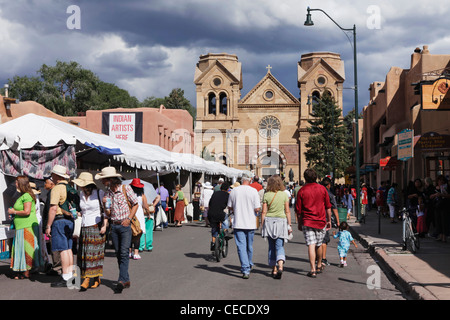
{"x": 256, "y": 204}
{"x": 87, "y": 215}
{"x": 428, "y": 205}
{"x": 77, "y": 223}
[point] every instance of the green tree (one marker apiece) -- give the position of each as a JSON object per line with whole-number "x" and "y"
{"x": 327, "y": 145}
{"x": 153, "y": 102}
{"x": 110, "y": 96}
{"x": 177, "y": 100}
{"x": 68, "y": 88}
{"x": 25, "y": 88}
{"x": 207, "y": 155}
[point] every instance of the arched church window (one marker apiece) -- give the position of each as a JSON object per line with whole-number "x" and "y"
{"x": 212, "y": 103}
{"x": 223, "y": 103}
{"x": 328, "y": 93}
{"x": 315, "y": 97}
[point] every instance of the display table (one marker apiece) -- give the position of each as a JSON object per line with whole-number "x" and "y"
{"x": 6, "y": 233}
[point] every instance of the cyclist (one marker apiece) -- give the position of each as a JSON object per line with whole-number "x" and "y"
{"x": 216, "y": 211}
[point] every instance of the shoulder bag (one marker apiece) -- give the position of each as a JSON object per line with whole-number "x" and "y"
{"x": 135, "y": 225}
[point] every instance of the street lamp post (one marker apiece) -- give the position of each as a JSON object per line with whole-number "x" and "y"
{"x": 309, "y": 22}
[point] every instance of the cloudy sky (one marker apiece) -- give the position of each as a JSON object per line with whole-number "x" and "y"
{"x": 149, "y": 47}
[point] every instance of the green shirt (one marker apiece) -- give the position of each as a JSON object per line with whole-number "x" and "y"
{"x": 22, "y": 222}
{"x": 180, "y": 195}
{"x": 276, "y": 209}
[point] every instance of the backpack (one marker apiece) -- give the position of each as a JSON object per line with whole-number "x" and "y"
{"x": 72, "y": 201}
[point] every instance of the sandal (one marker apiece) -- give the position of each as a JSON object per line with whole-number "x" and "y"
{"x": 320, "y": 269}
{"x": 278, "y": 274}
{"x": 312, "y": 274}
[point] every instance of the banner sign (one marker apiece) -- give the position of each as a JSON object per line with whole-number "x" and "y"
{"x": 125, "y": 126}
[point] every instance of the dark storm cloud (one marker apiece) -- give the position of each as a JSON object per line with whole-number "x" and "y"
{"x": 160, "y": 41}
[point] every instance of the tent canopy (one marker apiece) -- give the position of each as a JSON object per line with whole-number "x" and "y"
{"x": 31, "y": 129}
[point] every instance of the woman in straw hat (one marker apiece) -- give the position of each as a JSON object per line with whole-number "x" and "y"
{"x": 25, "y": 251}
{"x": 91, "y": 250}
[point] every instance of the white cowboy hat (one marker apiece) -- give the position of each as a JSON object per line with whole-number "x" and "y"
{"x": 84, "y": 179}
{"x": 108, "y": 172}
{"x": 61, "y": 171}
{"x": 208, "y": 185}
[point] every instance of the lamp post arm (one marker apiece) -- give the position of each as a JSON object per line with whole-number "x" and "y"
{"x": 343, "y": 29}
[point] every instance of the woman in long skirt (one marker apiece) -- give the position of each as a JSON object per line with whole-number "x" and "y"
{"x": 179, "y": 208}
{"x": 91, "y": 250}
{"x": 25, "y": 251}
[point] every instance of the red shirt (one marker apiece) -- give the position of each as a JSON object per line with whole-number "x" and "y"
{"x": 364, "y": 199}
{"x": 256, "y": 185}
{"x": 312, "y": 202}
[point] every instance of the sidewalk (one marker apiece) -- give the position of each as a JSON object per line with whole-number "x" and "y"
{"x": 424, "y": 275}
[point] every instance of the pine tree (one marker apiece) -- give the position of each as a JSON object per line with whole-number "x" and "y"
{"x": 327, "y": 146}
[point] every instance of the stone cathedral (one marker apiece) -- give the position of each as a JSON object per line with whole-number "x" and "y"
{"x": 264, "y": 131}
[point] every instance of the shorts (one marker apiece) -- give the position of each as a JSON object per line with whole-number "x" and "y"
{"x": 314, "y": 236}
{"x": 62, "y": 235}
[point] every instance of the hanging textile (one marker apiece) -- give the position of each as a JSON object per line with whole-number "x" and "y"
{"x": 38, "y": 162}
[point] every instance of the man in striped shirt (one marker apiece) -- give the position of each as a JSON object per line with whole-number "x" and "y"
{"x": 120, "y": 208}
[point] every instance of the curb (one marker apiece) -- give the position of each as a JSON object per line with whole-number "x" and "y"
{"x": 408, "y": 285}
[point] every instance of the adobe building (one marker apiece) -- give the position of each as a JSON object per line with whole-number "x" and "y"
{"x": 409, "y": 99}
{"x": 265, "y": 131}
{"x": 171, "y": 129}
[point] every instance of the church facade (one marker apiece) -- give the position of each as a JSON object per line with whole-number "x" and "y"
{"x": 266, "y": 130}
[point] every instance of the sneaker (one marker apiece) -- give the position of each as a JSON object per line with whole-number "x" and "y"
{"x": 345, "y": 264}
{"x": 136, "y": 257}
{"x": 212, "y": 246}
{"x": 245, "y": 276}
{"x": 325, "y": 262}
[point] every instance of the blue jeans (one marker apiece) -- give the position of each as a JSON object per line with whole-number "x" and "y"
{"x": 121, "y": 238}
{"x": 276, "y": 251}
{"x": 244, "y": 244}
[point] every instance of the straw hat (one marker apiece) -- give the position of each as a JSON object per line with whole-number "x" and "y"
{"x": 108, "y": 172}
{"x": 84, "y": 179}
{"x": 61, "y": 171}
{"x": 34, "y": 188}
{"x": 208, "y": 185}
{"x": 136, "y": 182}
{"x": 236, "y": 184}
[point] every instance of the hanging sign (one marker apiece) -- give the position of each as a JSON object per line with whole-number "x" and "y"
{"x": 436, "y": 95}
{"x": 405, "y": 144}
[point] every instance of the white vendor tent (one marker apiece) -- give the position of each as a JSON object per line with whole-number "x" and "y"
{"x": 28, "y": 130}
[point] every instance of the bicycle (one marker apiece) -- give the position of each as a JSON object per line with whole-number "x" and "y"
{"x": 220, "y": 246}
{"x": 410, "y": 236}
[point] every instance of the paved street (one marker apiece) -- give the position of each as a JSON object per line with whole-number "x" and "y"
{"x": 181, "y": 267}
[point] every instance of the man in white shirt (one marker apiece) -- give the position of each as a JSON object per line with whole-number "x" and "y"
{"x": 244, "y": 202}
